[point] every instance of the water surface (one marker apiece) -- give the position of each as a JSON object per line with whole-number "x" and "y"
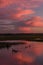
{"x": 27, "y": 53}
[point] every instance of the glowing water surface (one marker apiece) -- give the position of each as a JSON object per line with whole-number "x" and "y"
{"x": 27, "y": 53}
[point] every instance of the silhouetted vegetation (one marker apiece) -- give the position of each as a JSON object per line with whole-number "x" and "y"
{"x": 21, "y": 36}
{"x": 28, "y": 37}
{"x": 8, "y": 45}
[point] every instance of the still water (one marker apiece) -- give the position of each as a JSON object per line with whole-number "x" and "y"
{"x": 27, "y": 53}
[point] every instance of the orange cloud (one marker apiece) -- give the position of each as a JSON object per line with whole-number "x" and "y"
{"x": 37, "y": 29}
{"x": 4, "y": 3}
{"x": 21, "y": 3}
{"x": 30, "y": 29}
{"x": 21, "y": 13}
{"x": 18, "y": 13}
{"x": 25, "y": 29}
{"x": 35, "y": 21}
{"x": 24, "y": 12}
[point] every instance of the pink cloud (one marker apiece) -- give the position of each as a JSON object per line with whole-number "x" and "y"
{"x": 24, "y": 12}
{"x": 35, "y": 21}
{"x": 30, "y": 29}
{"x": 25, "y": 29}
{"x": 37, "y": 29}
{"x": 4, "y": 3}
{"x": 21, "y": 3}
{"x": 35, "y": 25}
{"x": 21, "y": 13}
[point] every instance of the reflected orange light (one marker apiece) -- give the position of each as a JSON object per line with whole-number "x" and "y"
{"x": 21, "y": 57}
{"x": 38, "y": 49}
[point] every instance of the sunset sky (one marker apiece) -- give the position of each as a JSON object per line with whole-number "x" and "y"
{"x": 21, "y": 16}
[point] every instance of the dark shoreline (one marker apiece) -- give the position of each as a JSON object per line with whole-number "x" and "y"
{"x": 22, "y": 36}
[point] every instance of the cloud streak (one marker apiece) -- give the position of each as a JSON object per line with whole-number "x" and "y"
{"x": 21, "y": 14}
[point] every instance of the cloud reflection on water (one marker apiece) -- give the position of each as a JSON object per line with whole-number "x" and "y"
{"x": 27, "y": 56}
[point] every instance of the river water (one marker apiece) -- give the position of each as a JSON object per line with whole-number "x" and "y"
{"x": 27, "y": 53}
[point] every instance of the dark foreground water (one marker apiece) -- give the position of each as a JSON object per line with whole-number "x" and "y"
{"x": 27, "y": 53}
